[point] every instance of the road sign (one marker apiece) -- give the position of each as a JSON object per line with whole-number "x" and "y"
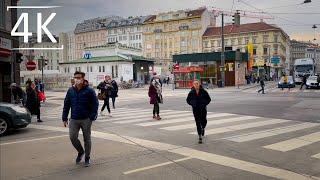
{"x": 31, "y": 65}
{"x": 87, "y": 55}
{"x": 275, "y": 60}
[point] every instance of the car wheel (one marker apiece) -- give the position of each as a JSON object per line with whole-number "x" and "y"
{"x": 4, "y": 126}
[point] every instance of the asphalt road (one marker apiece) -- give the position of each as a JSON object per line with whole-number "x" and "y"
{"x": 249, "y": 136}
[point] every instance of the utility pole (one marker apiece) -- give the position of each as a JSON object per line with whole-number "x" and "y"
{"x": 222, "y": 67}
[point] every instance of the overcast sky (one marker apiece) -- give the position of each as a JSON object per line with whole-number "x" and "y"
{"x": 298, "y": 26}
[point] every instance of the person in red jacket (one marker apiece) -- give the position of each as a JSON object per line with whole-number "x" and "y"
{"x": 155, "y": 99}
{"x": 199, "y": 98}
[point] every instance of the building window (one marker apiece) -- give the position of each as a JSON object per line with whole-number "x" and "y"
{"x": 112, "y": 71}
{"x": 206, "y": 44}
{"x": 254, "y": 40}
{"x": 265, "y": 39}
{"x": 99, "y": 68}
{"x": 103, "y": 69}
{"x": 246, "y": 40}
{"x": 265, "y": 50}
{"x": 116, "y": 71}
{"x": 254, "y": 51}
{"x": 275, "y": 38}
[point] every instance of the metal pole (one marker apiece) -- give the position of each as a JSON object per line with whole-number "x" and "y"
{"x": 13, "y": 58}
{"x": 42, "y": 64}
{"x": 222, "y": 52}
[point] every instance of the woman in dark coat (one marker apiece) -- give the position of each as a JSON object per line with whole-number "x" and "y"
{"x": 114, "y": 92}
{"x": 106, "y": 87}
{"x": 154, "y": 99}
{"x": 199, "y": 98}
{"x": 33, "y": 103}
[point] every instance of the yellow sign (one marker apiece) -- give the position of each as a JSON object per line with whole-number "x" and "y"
{"x": 250, "y": 48}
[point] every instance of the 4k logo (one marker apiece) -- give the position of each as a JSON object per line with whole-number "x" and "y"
{"x": 25, "y": 34}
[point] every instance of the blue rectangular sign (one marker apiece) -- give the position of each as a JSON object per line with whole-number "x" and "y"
{"x": 275, "y": 60}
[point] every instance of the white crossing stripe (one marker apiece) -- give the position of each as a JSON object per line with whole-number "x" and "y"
{"x": 130, "y": 111}
{"x": 270, "y": 132}
{"x": 178, "y": 120}
{"x": 135, "y": 120}
{"x": 316, "y": 156}
{"x": 213, "y": 122}
{"x": 157, "y": 165}
{"x": 30, "y": 140}
{"x": 196, "y": 154}
{"x": 243, "y": 126}
{"x": 125, "y": 115}
{"x": 295, "y": 143}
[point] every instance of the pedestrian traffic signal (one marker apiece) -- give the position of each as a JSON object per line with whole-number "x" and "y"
{"x": 19, "y": 57}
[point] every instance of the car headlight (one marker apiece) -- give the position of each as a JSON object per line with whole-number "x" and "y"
{"x": 19, "y": 109}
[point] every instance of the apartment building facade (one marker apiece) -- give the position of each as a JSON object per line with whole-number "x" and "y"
{"x": 91, "y": 32}
{"x": 127, "y": 32}
{"x": 178, "y": 32}
{"x": 269, "y": 42}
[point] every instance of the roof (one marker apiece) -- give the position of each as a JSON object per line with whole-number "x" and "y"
{"x": 197, "y": 12}
{"x": 108, "y": 59}
{"x": 212, "y": 56}
{"x": 94, "y": 24}
{"x": 243, "y": 28}
{"x": 189, "y": 14}
{"x": 131, "y": 21}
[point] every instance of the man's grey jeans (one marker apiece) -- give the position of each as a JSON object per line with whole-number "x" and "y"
{"x": 74, "y": 128}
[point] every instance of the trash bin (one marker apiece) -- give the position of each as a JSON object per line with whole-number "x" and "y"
{"x": 219, "y": 83}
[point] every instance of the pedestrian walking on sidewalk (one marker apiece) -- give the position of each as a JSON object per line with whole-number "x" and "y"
{"x": 33, "y": 101}
{"x": 262, "y": 84}
{"x": 198, "y": 98}
{"x": 114, "y": 92}
{"x": 155, "y": 98}
{"x": 304, "y": 81}
{"x": 84, "y": 109}
{"x": 106, "y": 88}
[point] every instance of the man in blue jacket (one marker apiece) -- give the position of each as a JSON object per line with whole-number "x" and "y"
{"x": 84, "y": 108}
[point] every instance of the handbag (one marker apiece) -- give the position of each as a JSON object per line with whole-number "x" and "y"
{"x": 101, "y": 96}
{"x": 160, "y": 99}
{"x": 41, "y": 96}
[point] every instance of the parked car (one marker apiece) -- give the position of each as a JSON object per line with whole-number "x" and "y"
{"x": 290, "y": 83}
{"x": 312, "y": 82}
{"x": 13, "y": 116}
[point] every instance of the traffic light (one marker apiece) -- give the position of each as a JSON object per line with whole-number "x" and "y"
{"x": 236, "y": 19}
{"x": 45, "y": 62}
{"x": 19, "y": 57}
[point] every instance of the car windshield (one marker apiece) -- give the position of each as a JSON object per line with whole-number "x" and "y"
{"x": 304, "y": 68}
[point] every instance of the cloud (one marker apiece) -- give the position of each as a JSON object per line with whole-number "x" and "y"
{"x": 73, "y": 11}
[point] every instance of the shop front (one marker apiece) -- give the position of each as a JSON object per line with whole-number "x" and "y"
{"x": 209, "y": 63}
{"x": 184, "y": 76}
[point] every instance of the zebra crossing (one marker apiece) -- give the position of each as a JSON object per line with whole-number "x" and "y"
{"x": 228, "y": 126}
{"x": 279, "y": 90}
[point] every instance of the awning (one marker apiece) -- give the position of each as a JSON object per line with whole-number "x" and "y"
{"x": 5, "y": 52}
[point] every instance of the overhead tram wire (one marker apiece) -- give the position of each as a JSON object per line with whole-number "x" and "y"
{"x": 262, "y": 11}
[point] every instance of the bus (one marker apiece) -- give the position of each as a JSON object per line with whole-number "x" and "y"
{"x": 304, "y": 66}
